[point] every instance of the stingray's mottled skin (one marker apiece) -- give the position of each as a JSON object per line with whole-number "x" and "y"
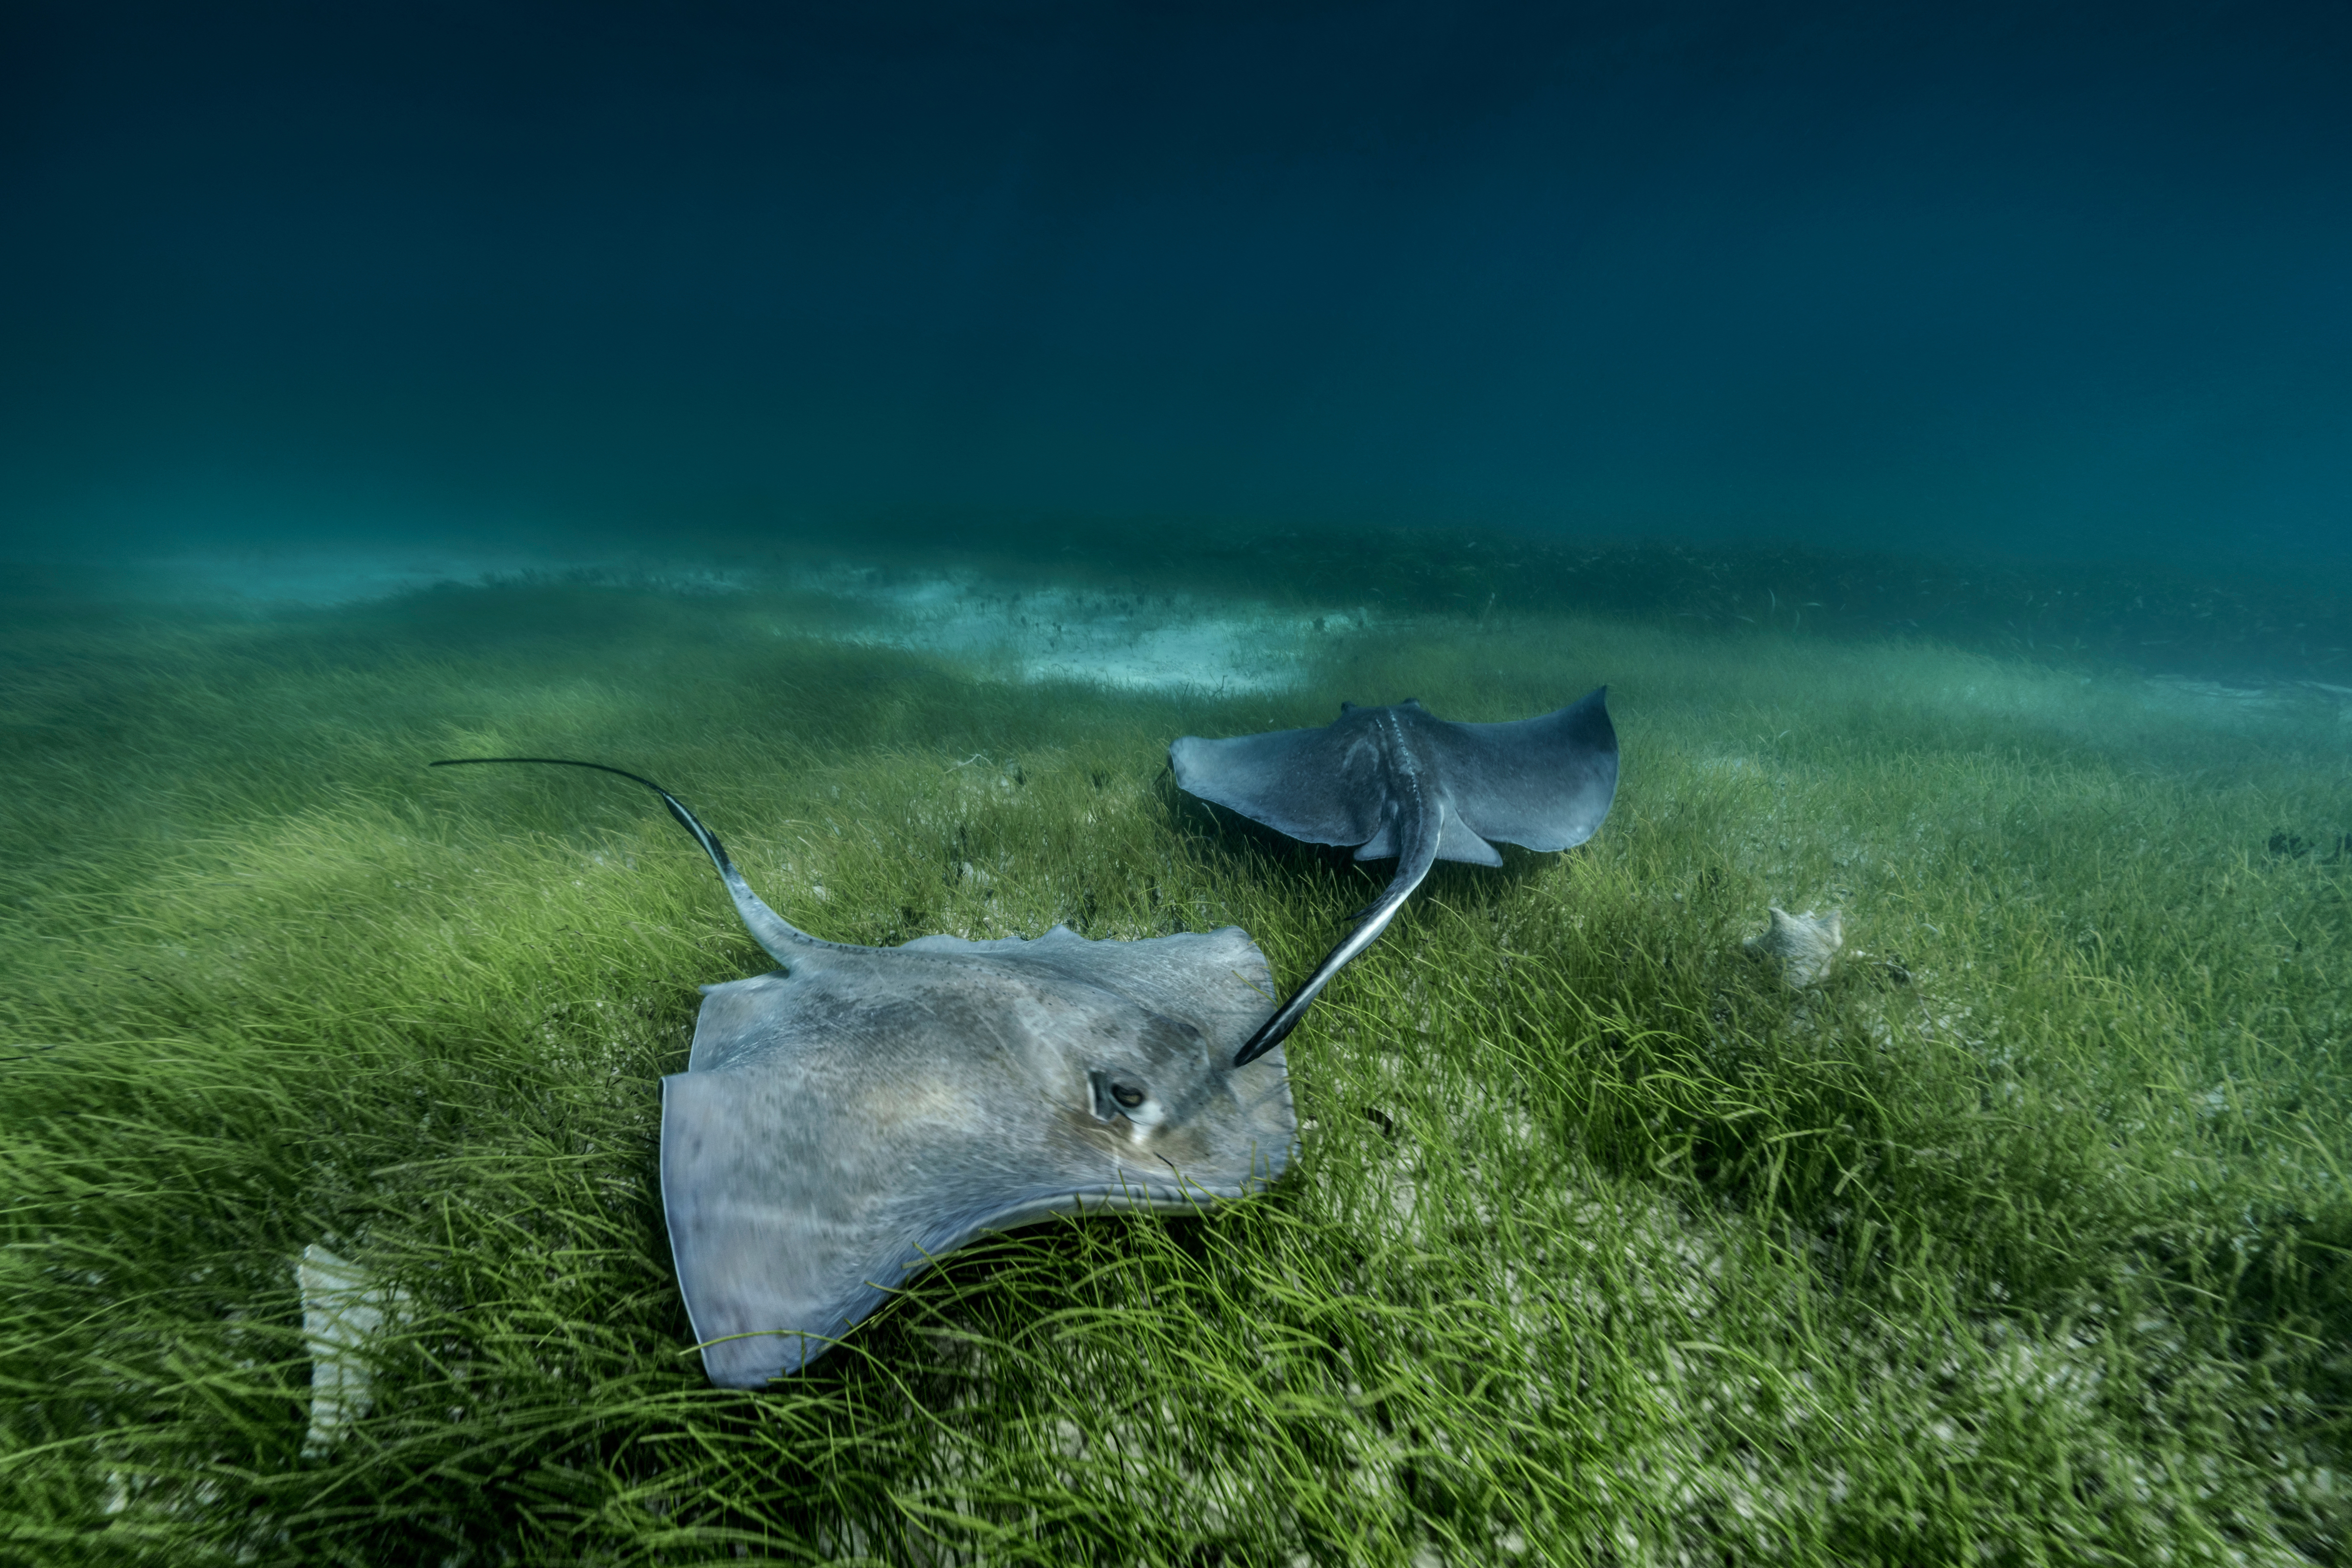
{"x": 1401, "y": 780}
{"x": 859, "y": 1111}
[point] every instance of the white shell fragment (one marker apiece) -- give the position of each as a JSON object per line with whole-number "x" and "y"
{"x": 1802, "y": 947}
{"x": 342, "y": 1310}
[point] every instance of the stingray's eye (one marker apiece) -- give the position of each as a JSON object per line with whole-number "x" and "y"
{"x": 1114, "y": 1098}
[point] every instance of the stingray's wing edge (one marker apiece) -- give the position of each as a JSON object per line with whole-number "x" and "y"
{"x": 1543, "y": 783}
{"x": 759, "y": 1308}
{"x": 1295, "y": 781}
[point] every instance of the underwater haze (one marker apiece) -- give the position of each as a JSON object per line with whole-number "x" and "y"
{"x": 1993, "y": 278}
{"x": 1915, "y": 1127}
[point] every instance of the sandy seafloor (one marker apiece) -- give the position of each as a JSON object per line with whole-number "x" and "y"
{"x": 1018, "y": 630}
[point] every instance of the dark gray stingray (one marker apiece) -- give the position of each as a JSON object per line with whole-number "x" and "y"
{"x": 859, "y": 1111}
{"x": 1401, "y": 780}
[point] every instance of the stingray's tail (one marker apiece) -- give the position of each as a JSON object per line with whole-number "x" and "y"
{"x": 779, "y": 936}
{"x": 1420, "y": 853}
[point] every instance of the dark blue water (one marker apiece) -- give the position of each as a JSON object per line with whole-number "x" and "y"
{"x": 2016, "y": 280}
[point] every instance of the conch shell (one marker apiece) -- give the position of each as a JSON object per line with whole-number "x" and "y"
{"x": 1803, "y": 947}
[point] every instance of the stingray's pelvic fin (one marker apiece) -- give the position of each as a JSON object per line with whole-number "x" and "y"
{"x": 1419, "y": 837}
{"x": 779, "y": 936}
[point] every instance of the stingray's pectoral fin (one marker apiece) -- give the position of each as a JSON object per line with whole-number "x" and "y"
{"x": 1304, "y": 783}
{"x": 1545, "y": 783}
{"x": 770, "y": 1279}
{"x": 1421, "y": 837}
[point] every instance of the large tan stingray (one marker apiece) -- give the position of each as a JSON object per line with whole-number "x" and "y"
{"x": 858, "y": 1112}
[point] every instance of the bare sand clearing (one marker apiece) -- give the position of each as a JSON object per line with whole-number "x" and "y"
{"x": 1016, "y": 632}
